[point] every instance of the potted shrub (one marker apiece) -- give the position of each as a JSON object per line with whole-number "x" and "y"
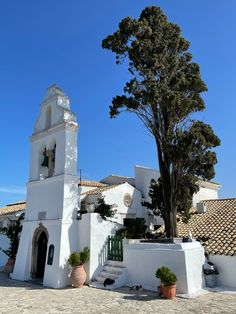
{"x": 77, "y": 260}
{"x": 12, "y": 232}
{"x": 168, "y": 282}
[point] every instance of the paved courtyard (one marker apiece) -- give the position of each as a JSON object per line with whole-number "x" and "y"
{"x": 22, "y": 297}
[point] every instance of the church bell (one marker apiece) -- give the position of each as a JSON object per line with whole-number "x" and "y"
{"x": 45, "y": 162}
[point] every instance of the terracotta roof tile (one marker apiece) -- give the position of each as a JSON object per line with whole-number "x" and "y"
{"x": 218, "y": 225}
{"x": 92, "y": 183}
{"x": 13, "y": 208}
{"x": 100, "y": 190}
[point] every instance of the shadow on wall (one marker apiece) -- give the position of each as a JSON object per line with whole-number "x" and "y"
{"x": 102, "y": 256}
{"x": 71, "y": 200}
{"x": 71, "y": 158}
{"x": 101, "y": 230}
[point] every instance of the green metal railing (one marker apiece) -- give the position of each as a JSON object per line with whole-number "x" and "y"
{"x": 115, "y": 248}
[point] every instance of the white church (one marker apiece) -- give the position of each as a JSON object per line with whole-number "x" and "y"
{"x": 53, "y": 226}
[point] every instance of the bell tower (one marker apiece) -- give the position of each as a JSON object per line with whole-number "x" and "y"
{"x": 50, "y": 226}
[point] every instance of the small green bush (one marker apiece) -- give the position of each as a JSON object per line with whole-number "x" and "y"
{"x": 79, "y": 258}
{"x": 84, "y": 255}
{"x": 105, "y": 210}
{"x": 12, "y": 232}
{"x": 166, "y": 276}
{"x": 135, "y": 230}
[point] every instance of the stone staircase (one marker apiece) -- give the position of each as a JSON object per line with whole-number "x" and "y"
{"x": 113, "y": 270}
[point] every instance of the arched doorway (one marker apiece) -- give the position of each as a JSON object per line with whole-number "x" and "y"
{"x": 39, "y": 252}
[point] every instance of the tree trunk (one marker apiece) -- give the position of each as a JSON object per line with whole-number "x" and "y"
{"x": 173, "y": 224}
{"x": 170, "y": 210}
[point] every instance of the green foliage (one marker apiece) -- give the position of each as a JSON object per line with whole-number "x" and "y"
{"x": 156, "y": 205}
{"x": 12, "y": 232}
{"x": 79, "y": 258}
{"x": 74, "y": 259}
{"x": 166, "y": 276}
{"x": 183, "y": 202}
{"x": 105, "y": 210}
{"x": 164, "y": 92}
{"x": 135, "y": 230}
{"x": 84, "y": 255}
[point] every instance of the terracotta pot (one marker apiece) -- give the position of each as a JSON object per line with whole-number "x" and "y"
{"x": 9, "y": 265}
{"x": 78, "y": 276}
{"x": 169, "y": 292}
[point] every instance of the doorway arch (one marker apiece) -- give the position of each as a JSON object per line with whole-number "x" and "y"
{"x": 39, "y": 252}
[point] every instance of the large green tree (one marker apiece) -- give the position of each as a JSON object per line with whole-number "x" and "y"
{"x": 164, "y": 91}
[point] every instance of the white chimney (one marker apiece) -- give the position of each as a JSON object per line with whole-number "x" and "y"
{"x": 201, "y": 208}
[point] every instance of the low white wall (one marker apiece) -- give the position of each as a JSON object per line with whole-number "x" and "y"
{"x": 184, "y": 259}
{"x": 96, "y": 240}
{"x": 226, "y": 266}
{"x": 4, "y": 244}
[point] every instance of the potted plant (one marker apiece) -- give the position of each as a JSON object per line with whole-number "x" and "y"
{"x": 168, "y": 282}
{"x": 12, "y": 232}
{"x": 77, "y": 260}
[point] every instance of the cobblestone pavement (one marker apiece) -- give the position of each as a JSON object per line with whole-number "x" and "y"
{"x": 22, "y": 297}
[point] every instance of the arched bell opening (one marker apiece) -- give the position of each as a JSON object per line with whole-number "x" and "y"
{"x": 47, "y": 160}
{"x": 51, "y": 152}
{"x": 39, "y": 252}
{"x": 43, "y": 161}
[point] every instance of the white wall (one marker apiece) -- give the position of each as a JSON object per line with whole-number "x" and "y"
{"x": 57, "y": 274}
{"x": 4, "y": 244}
{"x": 58, "y": 196}
{"x": 184, "y": 259}
{"x": 115, "y": 196}
{"x": 143, "y": 178}
{"x": 60, "y": 107}
{"x": 226, "y": 266}
{"x": 65, "y": 137}
{"x": 205, "y": 193}
{"x": 96, "y": 240}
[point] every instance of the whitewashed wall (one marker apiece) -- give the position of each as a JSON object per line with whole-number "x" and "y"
{"x": 184, "y": 259}
{"x": 4, "y": 244}
{"x": 226, "y": 266}
{"x": 143, "y": 177}
{"x": 115, "y": 196}
{"x": 205, "y": 193}
{"x": 96, "y": 240}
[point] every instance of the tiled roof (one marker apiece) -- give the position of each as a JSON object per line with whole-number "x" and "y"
{"x": 216, "y": 227}
{"x": 92, "y": 183}
{"x": 100, "y": 190}
{"x": 13, "y": 208}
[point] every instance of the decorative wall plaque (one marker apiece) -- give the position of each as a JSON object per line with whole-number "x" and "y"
{"x": 41, "y": 215}
{"x": 127, "y": 200}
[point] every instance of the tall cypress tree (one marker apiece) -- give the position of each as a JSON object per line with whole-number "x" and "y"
{"x": 164, "y": 91}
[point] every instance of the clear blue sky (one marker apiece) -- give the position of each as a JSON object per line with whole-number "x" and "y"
{"x": 56, "y": 41}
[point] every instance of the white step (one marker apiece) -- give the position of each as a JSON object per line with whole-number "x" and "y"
{"x": 113, "y": 269}
{"x": 100, "y": 279}
{"x": 115, "y": 263}
{"x": 106, "y": 274}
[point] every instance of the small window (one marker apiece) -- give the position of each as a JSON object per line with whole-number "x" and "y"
{"x": 48, "y": 117}
{"x": 50, "y": 254}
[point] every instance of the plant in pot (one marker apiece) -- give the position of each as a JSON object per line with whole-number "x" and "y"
{"x": 77, "y": 260}
{"x": 12, "y": 232}
{"x": 168, "y": 282}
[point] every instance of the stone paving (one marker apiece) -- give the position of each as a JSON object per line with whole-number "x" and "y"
{"x": 22, "y": 297}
